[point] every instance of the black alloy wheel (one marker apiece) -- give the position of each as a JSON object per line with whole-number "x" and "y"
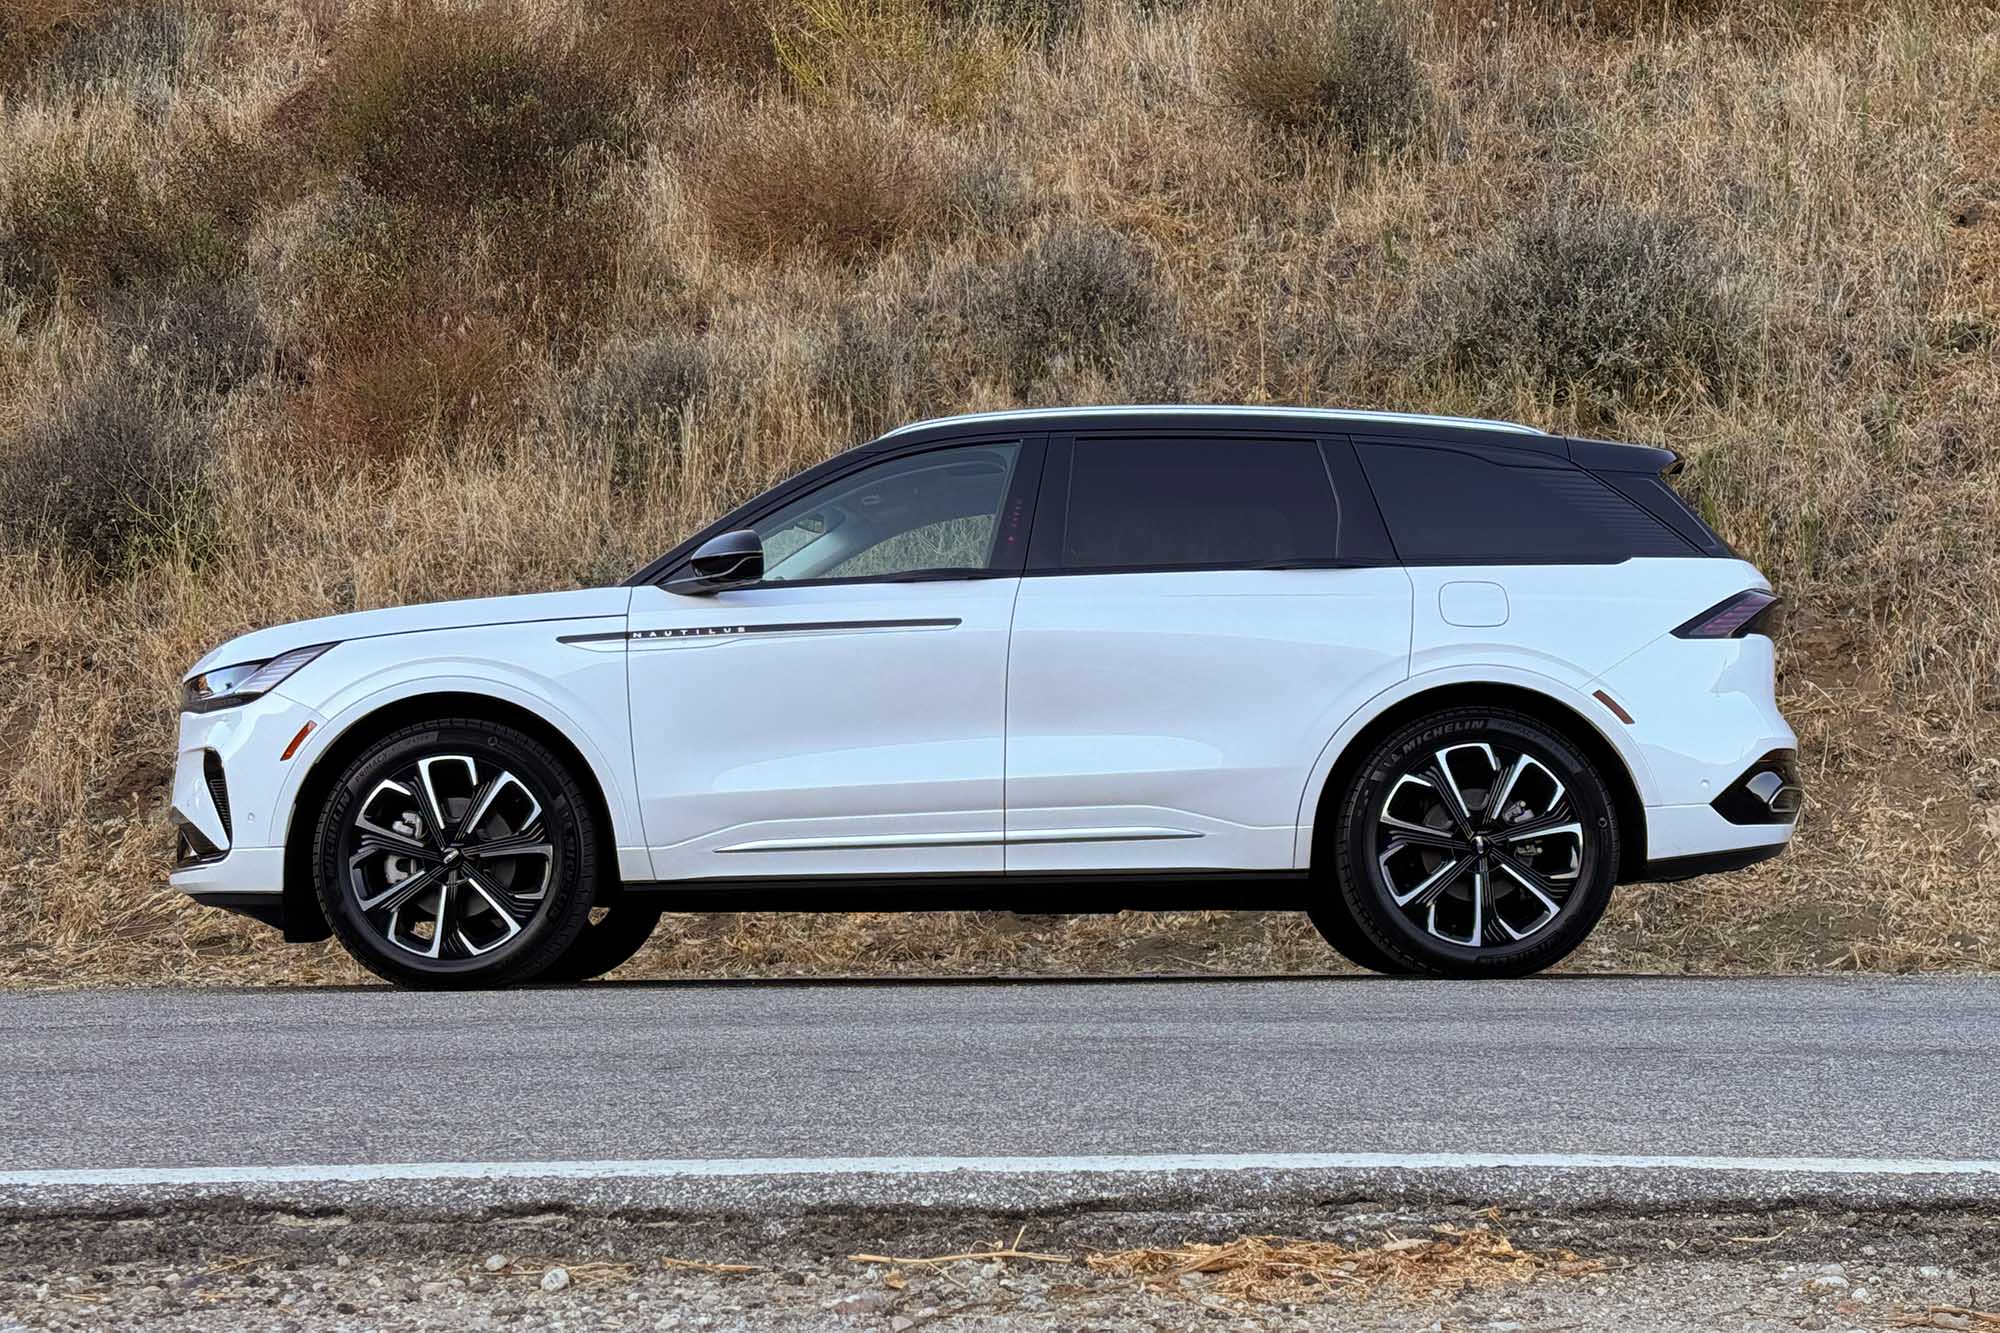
{"x": 1476, "y": 842}
{"x": 457, "y": 853}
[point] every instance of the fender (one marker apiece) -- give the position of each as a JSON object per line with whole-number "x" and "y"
{"x": 1571, "y": 696}
{"x": 585, "y": 703}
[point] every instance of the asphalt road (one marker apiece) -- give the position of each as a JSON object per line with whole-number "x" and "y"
{"x": 1872, "y": 1069}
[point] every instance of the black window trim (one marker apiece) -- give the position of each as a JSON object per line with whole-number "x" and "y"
{"x": 1045, "y": 548}
{"x": 1022, "y": 489}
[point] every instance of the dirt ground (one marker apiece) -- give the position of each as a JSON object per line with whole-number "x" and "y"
{"x": 1354, "y": 1266}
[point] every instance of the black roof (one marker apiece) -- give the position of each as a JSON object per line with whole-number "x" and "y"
{"x": 1474, "y": 432}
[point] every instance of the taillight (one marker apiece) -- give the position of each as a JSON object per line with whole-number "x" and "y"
{"x": 1753, "y": 612}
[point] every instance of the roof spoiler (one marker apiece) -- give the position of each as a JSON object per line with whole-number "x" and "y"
{"x": 1607, "y": 456}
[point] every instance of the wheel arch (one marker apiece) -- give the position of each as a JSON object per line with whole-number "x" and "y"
{"x": 1557, "y": 715}
{"x": 305, "y": 920}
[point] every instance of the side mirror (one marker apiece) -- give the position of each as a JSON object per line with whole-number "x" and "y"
{"x": 733, "y": 560}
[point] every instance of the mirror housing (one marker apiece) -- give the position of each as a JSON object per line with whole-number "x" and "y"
{"x": 733, "y": 560}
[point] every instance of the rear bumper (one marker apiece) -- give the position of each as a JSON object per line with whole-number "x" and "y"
{"x": 1674, "y": 868}
{"x": 1707, "y": 723}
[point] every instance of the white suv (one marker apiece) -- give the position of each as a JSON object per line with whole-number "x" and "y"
{"x": 1440, "y": 683}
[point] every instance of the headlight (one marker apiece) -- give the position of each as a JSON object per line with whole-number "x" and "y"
{"x": 230, "y": 686}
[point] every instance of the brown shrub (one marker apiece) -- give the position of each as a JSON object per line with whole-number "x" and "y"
{"x": 549, "y": 266}
{"x": 209, "y": 338}
{"x": 85, "y": 42}
{"x": 1638, "y": 18}
{"x": 845, "y": 186}
{"x": 112, "y": 474}
{"x": 30, "y": 30}
{"x": 904, "y": 53}
{"x": 426, "y": 376}
{"x": 92, "y": 213}
{"x": 1595, "y": 304}
{"x": 447, "y": 108}
{"x": 1338, "y": 72}
{"x": 668, "y": 43}
{"x": 1084, "y": 299}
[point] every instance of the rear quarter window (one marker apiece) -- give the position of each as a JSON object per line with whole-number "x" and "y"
{"x": 1448, "y": 506}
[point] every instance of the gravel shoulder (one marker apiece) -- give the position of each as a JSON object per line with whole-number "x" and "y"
{"x": 237, "y": 1268}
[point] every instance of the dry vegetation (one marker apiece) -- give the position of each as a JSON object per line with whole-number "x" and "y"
{"x": 308, "y": 306}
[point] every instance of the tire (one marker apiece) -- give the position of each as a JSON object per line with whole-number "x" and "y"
{"x": 605, "y": 943}
{"x": 1337, "y": 926}
{"x": 1476, "y": 842}
{"x": 457, "y": 854}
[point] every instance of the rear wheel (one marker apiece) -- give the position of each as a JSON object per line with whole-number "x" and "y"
{"x": 1337, "y": 926}
{"x": 1475, "y": 843}
{"x": 458, "y": 853}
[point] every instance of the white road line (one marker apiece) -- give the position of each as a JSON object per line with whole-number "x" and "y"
{"x": 737, "y": 1167}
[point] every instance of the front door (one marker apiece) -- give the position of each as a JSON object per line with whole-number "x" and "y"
{"x": 1199, "y": 616}
{"x": 845, "y": 716}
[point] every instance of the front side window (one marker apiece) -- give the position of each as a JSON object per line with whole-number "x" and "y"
{"x": 1173, "y": 503}
{"x": 928, "y": 513}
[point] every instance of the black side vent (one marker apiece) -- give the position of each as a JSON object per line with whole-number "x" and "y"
{"x": 218, "y": 790}
{"x": 191, "y": 849}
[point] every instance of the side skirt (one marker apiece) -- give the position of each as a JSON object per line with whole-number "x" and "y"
{"x": 1104, "y": 891}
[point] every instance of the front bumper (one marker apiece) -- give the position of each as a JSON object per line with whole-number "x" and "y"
{"x": 227, "y": 776}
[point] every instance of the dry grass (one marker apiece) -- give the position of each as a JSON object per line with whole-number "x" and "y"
{"x": 1275, "y": 1270}
{"x": 638, "y": 286}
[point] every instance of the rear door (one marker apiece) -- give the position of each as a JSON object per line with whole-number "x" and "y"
{"x": 1199, "y": 614}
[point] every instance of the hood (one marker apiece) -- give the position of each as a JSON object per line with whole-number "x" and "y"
{"x": 258, "y": 645}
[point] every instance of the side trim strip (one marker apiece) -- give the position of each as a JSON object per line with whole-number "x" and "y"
{"x": 868, "y": 841}
{"x": 789, "y": 627}
{"x": 775, "y": 627}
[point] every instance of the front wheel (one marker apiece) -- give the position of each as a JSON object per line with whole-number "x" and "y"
{"x": 1476, "y": 843}
{"x": 609, "y": 941}
{"x": 455, "y": 854}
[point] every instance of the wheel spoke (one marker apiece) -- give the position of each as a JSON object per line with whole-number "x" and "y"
{"x": 1439, "y": 776}
{"x": 1428, "y": 892}
{"x": 1496, "y": 801}
{"x": 1540, "y": 889}
{"x": 388, "y": 842}
{"x": 1560, "y": 823}
{"x": 441, "y": 923}
{"x": 1478, "y": 912}
{"x": 429, "y": 812}
{"x": 1478, "y": 906}
{"x": 399, "y": 895}
{"x": 531, "y": 843}
{"x": 475, "y": 809}
{"x": 1423, "y": 835}
{"x": 511, "y": 914}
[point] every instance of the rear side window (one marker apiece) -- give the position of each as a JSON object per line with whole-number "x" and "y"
{"x": 1178, "y": 503}
{"x": 1448, "y": 507}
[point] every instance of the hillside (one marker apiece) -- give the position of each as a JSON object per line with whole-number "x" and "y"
{"x": 307, "y": 307}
